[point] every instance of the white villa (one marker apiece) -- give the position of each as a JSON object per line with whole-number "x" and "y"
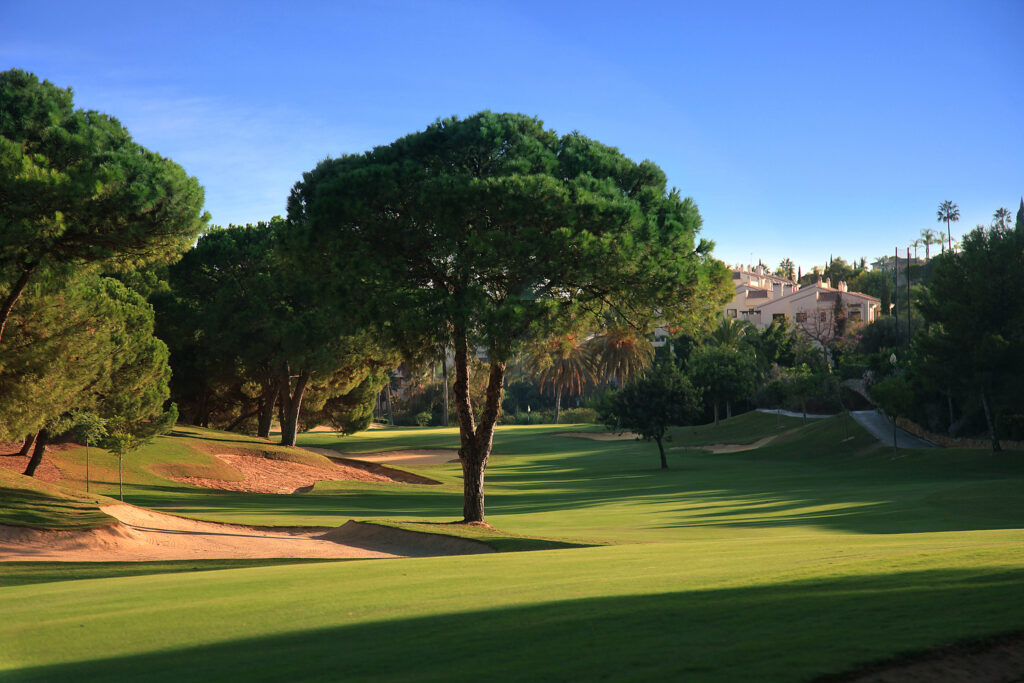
{"x": 762, "y": 297}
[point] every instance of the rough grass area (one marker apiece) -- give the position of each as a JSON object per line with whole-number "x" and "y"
{"x": 25, "y": 573}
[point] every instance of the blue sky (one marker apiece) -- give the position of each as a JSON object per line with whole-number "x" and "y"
{"x": 801, "y": 129}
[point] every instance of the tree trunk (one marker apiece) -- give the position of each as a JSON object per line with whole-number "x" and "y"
{"x": 291, "y": 404}
{"x": 444, "y": 378}
{"x": 37, "y": 454}
{"x": 661, "y": 449}
{"x": 716, "y": 412}
{"x": 13, "y": 296}
{"x": 266, "y": 411}
{"x": 475, "y": 440}
{"x": 241, "y": 418}
{"x": 391, "y": 407}
{"x": 558, "y": 403}
{"x": 27, "y": 446}
{"x": 949, "y": 403}
{"x": 728, "y": 409}
{"x": 990, "y": 422}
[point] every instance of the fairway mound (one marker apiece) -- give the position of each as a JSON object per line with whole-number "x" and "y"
{"x": 402, "y": 542}
{"x": 384, "y": 471}
{"x": 993, "y": 660}
{"x": 600, "y": 436}
{"x": 261, "y": 474}
{"x": 145, "y": 535}
{"x": 419, "y": 456}
{"x": 728, "y": 447}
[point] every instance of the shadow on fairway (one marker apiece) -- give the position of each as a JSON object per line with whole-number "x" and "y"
{"x": 792, "y": 631}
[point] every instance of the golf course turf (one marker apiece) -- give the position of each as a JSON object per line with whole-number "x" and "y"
{"x": 813, "y": 554}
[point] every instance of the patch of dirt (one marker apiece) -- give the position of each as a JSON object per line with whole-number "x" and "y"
{"x": 265, "y": 475}
{"x": 600, "y": 436}
{"x": 419, "y": 456}
{"x": 994, "y": 660}
{"x": 46, "y": 471}
{"x": 728, "y": 447}
{"x": 145, "y": 535}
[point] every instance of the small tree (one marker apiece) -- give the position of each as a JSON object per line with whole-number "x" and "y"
{"x": 650, "y": 405}
{"x": 125, "y": 436}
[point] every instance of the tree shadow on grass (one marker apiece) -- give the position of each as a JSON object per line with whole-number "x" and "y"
{"x": 780, "y": 632}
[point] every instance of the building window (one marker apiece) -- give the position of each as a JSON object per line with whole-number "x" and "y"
{"x": 823, "y": 316}
{"x": 801, "y": 316}
{"x": 730, "y": 312}
{"x": 778, "y": 316}
{"x": 855, "y": 312}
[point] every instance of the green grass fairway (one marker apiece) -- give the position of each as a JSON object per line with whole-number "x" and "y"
{"x": 807, "y": 556}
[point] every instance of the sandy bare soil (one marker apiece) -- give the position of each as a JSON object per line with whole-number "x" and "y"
{"x": 727, "y": 447}
{"x": 46, "y": 471}
{"x": 600, "y": 436}
{"x": 267, "y": 475}
{"x": 421, "y": 456}
{"x": 141, "y": 534}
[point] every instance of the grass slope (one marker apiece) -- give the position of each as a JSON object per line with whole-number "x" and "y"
{"x": 807, "y": 556}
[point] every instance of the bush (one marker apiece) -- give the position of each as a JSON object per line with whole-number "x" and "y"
{"x": 578, "y": 415}
{"x": 424, "y": 418}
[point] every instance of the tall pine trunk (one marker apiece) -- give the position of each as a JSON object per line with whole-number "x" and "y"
{"x": 291, "y": 404}
{"x": 558, "y": 403}
{"x": 444, "y": 378}
{"x": 26, "y": 447}
{"x": 985, "y": 403}
{"x": 266, "y": 414}
{"x": 37, "y": 454}
{"x": 13, "y": 296}
{"x": 475, "y": 440}
{"x": 661, "y": 449}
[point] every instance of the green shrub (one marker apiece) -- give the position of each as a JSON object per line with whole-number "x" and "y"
{"x": 424, "y": 418}
{"x": 578, "y": 416}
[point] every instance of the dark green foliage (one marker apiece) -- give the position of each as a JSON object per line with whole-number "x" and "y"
{"x": 76, "y": 192}
{"x": 249, "y": 333}
{"x": 648, "y": 406}
{"x": 974, "y": 344}
{"x": 492, "y": 232}
{"x": 89, "y": 346}
{"x": 724, "y": 374}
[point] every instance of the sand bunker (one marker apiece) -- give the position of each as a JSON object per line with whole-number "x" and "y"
{"x": 419, "y": 456}
{"x": 727, "y": 447}
{"x": 266, "y": 475}
{"x": 141, "y": 534}
{"x": 601, "y": 436}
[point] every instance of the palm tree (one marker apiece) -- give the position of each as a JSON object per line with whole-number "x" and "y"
{"x": 730, "y": 332}
{"x": 928, "y": 238}
{"x": 949, "y": 212}
{"x": 785, "y": 269}
{"x": 618, "y": 353}
{"x": 1001, "y": 219}
{"x": 561, "y": 365}
{"x": 915, "y": 244}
